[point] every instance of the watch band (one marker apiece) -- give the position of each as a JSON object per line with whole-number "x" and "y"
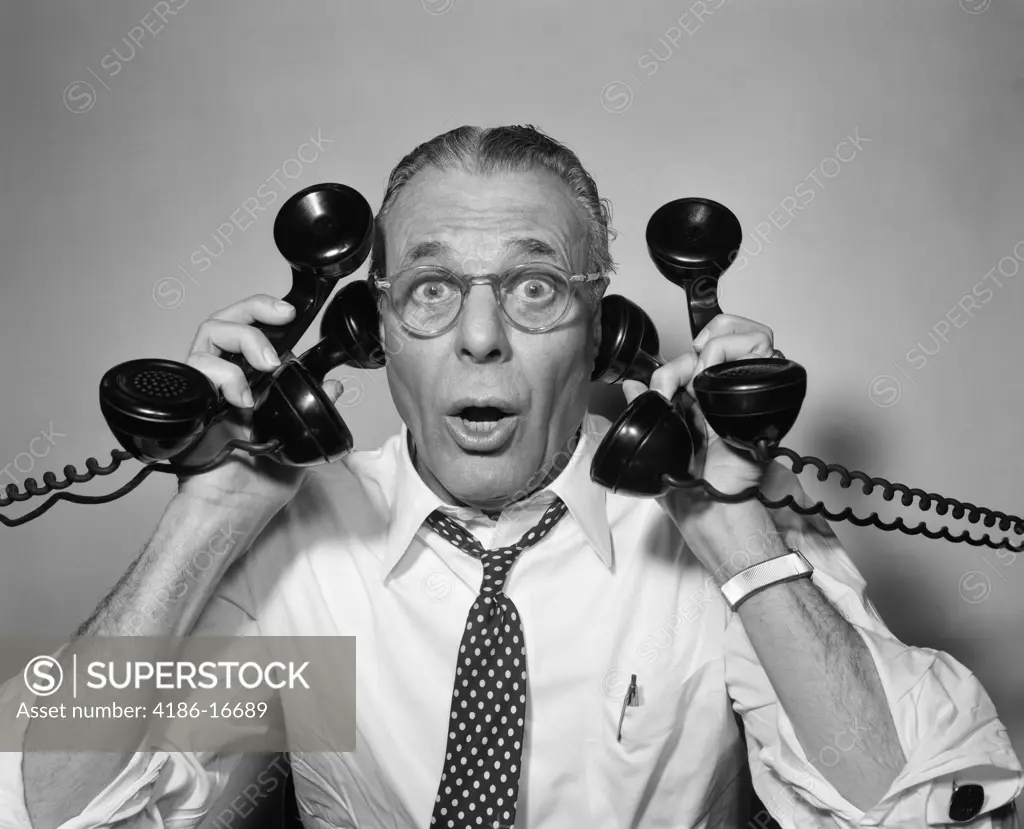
{"x": 764, "y": 574}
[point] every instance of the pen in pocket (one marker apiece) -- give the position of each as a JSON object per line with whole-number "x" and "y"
{"x": 630, "y": 699}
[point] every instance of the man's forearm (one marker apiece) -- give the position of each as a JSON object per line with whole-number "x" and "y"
{"x": 818, "y": 664}
{"x": 162, "y": 594}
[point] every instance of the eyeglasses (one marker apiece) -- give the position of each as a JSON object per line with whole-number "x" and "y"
{"x": 534, "y": 297}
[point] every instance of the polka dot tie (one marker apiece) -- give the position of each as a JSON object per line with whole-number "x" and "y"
{"x": 480, "y": 781}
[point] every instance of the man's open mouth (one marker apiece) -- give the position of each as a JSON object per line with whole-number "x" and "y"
{"x": 482, "y": 425}
{"x": 482, "y": 418}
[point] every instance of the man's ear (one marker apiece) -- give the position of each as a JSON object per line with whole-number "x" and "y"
{"x": 382, "y": 326}
{"x": 598, "y": 296}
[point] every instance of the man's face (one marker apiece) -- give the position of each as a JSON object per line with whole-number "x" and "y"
{"x": 447, "y": 387}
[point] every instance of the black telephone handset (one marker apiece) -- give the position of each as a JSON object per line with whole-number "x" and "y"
{"x": 749, "y": 403}
{"x": 159, "y": 409}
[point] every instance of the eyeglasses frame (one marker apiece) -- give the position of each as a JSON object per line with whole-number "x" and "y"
{"x": 466, "y": 284}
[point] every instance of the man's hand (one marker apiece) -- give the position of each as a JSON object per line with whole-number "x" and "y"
{"x": 724, "y": 339}
{"x": 231, "y": 331}
{"x": 730, "y": 470}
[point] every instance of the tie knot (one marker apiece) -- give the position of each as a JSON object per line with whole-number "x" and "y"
{"x": 496, "y": 562}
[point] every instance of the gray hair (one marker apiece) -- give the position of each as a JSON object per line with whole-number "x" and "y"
{"x": 483, "y": 151}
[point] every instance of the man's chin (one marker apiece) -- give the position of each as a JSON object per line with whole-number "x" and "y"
{"x": 478, "y": 473}
{"x": 487, "y": 481}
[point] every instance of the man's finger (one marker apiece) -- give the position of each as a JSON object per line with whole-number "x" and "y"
{"x": 731, "y": 347}
{"x": 333, "y": 389}
{"x": 256, "y": 308}
{"x": 632, "y": 389}
{"x": 725, "y": 324}
{"x": 674, "y": 375}
{"x": 218, "y": 337}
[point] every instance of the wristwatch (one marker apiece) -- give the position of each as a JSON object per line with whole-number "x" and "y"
{"x": 764, "y": 574}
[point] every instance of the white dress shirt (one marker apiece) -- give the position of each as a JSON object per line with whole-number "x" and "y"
{"x": 612, "y": 591}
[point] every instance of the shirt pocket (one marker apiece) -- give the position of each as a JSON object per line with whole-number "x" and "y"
{"x": 619, "y": 770}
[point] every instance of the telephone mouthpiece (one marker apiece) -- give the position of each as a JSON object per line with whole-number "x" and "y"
{"x": 156, "y": 408}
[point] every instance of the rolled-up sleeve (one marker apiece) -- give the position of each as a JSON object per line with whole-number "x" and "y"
{"x": 946, "y": 722}
{"x": 156, "y": 788}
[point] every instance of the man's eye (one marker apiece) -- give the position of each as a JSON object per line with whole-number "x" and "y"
{"x": 430, "y": 290}
{"x": 535, "y": 289}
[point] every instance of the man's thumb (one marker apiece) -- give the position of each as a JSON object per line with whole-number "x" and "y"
{"x": 333, "y": 389}
{"x": 632, "y": 389}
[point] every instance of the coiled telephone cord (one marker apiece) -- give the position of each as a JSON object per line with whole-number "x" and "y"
{"x": 766, "y": 453}
{"x": 73, "y": 476}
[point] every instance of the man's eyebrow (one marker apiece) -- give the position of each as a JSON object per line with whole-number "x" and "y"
{"x": 522, "y": 245}
{"x": 529, "y": 246}
{"x": 426, "y": 250}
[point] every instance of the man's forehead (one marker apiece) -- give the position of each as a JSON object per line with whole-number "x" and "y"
{"x": 520, "y": 213}
{"x": 512, "y": 246}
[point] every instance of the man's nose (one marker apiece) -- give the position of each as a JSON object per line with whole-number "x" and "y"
{"x": 482, "y": 332}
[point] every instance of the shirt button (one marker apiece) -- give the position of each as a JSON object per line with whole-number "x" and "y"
{"x": 966, "y": 802}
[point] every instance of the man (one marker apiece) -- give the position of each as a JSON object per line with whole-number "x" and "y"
{"x": 636, "y": 661}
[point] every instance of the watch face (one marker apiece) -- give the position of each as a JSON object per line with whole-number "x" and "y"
{"x": 966, "y": 802}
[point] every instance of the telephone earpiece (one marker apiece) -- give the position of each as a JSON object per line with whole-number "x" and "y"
{"x": 750, "y": 404}
{"x": 158, "y": 409}
{"x": 629, "y": 343}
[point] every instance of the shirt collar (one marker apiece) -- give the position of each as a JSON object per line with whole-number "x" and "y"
{"x": 412, "y": 500}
